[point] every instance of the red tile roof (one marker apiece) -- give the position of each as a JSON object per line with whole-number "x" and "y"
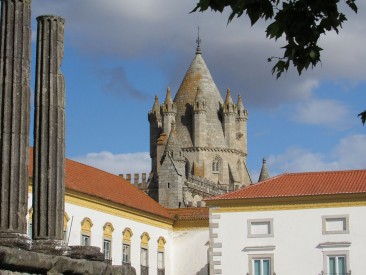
{"x": 302, "y": 184}
{"x": 189, "y": 214}
{"x": 94, "y": 182}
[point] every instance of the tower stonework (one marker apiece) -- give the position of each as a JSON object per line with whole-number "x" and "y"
{"x": 15, "y": 59}
{"x": 49, "y": 137}
{"x": 211, "y": 135}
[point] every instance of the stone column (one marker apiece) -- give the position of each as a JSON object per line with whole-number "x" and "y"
{"x": 14, "y": 118}
{"x": 49, "y": 138}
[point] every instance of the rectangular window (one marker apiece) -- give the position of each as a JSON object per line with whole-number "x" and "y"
{"x": 85, "y": 240}
{"x": 126, "y": 254}
{"x": 335, "y": 224}
{"x": 261, "y": 266}
{"x": 336, "y": 262}
{"x": 161, "y": 260}
{"x": 107, "y": 249}
{"x": 144, "y": 257}
{"x": 337, "y": 265}
{"x": 260, "y": 228}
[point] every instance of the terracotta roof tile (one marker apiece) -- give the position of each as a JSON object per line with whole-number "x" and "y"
{"x": 185, "y": 214}
{"x": 92, "y": 181}
{"x": 303, "y": 184}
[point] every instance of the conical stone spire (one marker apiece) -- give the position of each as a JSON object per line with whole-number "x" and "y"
{"x": 156, "y": 107}
{"x": 229, "y": 106}
{"x": 154, "y": 114}
{"x": 172, "y": 145}
{"x": 264, "y": 172}
{"x": 242, "y": 112}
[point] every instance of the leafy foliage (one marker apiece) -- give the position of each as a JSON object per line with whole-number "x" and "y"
{"x": 363, "y": 117}
{"x": 301, "y": 22}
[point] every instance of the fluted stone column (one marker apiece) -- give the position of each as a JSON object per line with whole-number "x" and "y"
{"x": 14, "y": 118}
{"x": 49, "y": 138}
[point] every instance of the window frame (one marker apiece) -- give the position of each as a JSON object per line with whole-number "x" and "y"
{"x": 336, "y": 253}
{"x": 144, "y": 250}
{"x": 250, "y": 223}
{"x": 261, "y": 257}
{"x": 127, "y": 255}
{"x": 108, "y": 241}
{"x": 85, "y": 237}
{"x": 326, "y": 218}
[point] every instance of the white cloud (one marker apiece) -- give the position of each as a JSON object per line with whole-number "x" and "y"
{"x": 323, "y": 112}
{"x": 349, "y": 153}
{"x": 117, "y": 163}
{"x": 236, "y": 53}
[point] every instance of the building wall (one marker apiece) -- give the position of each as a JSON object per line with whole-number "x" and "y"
{"x": 78, "y": 209}
{"x": 185, "y": 250}
{"x": 298, "y": 244}
{"x": 190, "y": 250}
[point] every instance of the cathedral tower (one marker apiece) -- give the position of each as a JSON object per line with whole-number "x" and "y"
{"x": 209, "y": 137}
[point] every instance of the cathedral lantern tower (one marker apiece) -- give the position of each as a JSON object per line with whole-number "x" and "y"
{"x": 201, "y": 147}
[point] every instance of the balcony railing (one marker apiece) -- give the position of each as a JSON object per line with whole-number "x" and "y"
{"x": 335, "y": 273}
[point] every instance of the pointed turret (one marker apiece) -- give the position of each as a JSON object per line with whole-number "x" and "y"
{"x": 241, "y": 125}
{"x": 199, "y": 119}
{"x": 172, "y": 145}
{"x": 229, "y": 112}
{"x": 169, "y": 111}
{"x": 154, "y": 114}
{"x": 229, "y": 106}
{"x": 264, "y": 172}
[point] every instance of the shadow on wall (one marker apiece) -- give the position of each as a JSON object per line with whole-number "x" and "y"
{"x": 203, "y": 270}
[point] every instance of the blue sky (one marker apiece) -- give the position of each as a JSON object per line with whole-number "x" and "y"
{"x": 119, "y": 54}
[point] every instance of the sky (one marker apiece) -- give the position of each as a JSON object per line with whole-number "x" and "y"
{"x": 119, "y": 54}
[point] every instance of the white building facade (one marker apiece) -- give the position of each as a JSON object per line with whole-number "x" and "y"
{"x": 130, "y": 228}
{"x": 306, "y": 223}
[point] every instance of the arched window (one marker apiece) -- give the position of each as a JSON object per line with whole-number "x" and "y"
{"x": 126, "y": 246}
{"x": 86, "y": 226}
{"x": 66, "y": 220}
{"x": 144, "y": 260}
{"x": 107, "y": 241}
{"x": 161, "y": 256}
{"x": 216, "y": 165}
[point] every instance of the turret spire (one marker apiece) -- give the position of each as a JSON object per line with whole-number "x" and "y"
{"x": 264, "y": 172}
{"x": 198, "y": 41}
{"x": 156, "y": 107}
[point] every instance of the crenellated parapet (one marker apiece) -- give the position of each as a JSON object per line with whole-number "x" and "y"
{"x": 141, "y": 181}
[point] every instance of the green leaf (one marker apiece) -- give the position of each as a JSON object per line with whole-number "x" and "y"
{"x": 363, "y": 117}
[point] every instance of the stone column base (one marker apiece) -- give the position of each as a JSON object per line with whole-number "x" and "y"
{"x": 15, "y": 240}
{"x": 91, "y": 253}
{"x": 51, "y": 247}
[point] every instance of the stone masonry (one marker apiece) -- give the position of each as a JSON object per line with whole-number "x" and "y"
{"x": 15, "y": 58}
{"x": 212, "y": 138}
{"x": 49, "y": 138}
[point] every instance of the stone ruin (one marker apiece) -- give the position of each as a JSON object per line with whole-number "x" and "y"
{"x": 46, "y": 252}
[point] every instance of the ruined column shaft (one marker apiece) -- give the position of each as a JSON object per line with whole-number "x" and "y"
{"x": 14, "y": 115}
{"x": 49, "y": 131}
